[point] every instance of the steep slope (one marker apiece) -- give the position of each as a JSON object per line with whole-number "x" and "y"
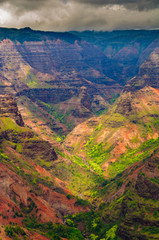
{"x": 126, "y": 50}
{"x": 38, "y": 179}
{"x": 135, "y": 200}
{"x": 30, "y": 194}
{"x": 51, "y": 68}
{"x": 123, "y": 146}
{"x": 148, "y": 74}
{"x": 127, "y": 205}
{"x": 112, "y": 142}
{"x": 107, "y": 142}
{"x": 51, "y": 71}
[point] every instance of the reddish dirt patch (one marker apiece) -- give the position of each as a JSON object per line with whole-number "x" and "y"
{"x": 61, "y": 203}
{"x": 35, "y": 236}
{"x": 43, "y": 172}
{"x": 62, "y": 184}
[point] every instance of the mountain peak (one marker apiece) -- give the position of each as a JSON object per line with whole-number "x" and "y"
{"x": 148, "y": 74}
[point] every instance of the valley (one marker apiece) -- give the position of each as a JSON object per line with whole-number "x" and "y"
{"x": 79, "y": 135}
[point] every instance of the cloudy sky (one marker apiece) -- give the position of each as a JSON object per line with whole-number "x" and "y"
{"x": 65, "y": 15}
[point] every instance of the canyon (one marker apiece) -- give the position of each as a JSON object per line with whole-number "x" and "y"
{"x": 79, "y": 135}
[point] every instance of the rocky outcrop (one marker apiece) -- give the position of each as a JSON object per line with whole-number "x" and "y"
{"x": 125, "y": 104}
{"x": 148, "y": 74}
{"x": 33, "y": 149}
{"x": 39, "y": 149}
{"x": 14, "y": 69}
{"x": 63, "y": 57}
{"x": 132, "y": 121}
{"x": 85, "y": 98}
{"x": 28, "y": 189}
{"x": 146, "y": 188}
{"x": 8, "y": 108}
{"x": 53, "y": 95}
{"x": 135, "y": 200}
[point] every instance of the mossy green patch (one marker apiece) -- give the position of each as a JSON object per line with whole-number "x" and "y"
{"x": 8, "y": 124}
{"x": 53, "y": 231}
{"x": 132, "y": 156}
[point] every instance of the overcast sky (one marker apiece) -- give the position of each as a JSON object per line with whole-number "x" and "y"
{"x": 65, "y": 15}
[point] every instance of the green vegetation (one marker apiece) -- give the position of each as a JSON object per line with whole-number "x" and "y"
{"x": 97, "y": 153}
{"x": 14, "y": 231}
{"x": 93, "y": 225}
{"x": 133, "y": 156}
{"x": 31, "y": 80}
{"x": 81, "y": 181}
{"x": 8, "y": 124}
{"x": 118, "y": 201}
{"x": 53, "y": 231}
{"x": 82, "y": 202}
{"x": 99, "y": 127}
{"x": 29, "y": 207}
{"x": 100, "y": 112}
{"x": 111, "y": 233}
{"x": 79, "y": 162}
{"x": 53, "y": 109}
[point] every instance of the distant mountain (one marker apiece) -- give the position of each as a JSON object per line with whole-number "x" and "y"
{"x": 51, "y": 68}
{"x": 126, "y": 50}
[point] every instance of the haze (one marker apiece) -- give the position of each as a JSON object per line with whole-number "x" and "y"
{"x": 66, "y": 15}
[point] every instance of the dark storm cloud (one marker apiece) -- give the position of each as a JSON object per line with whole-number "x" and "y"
{"x": 64, "y": 15}
{"x": 131, "y": 4}
{"x": 24, "y": 5}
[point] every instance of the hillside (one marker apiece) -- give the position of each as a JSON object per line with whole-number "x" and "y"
{"x": 31, "y": 195}
{"x": 70, "y": 77}
{"x": 57, "y": 71}
{"x": 122, "y": 146}
{"x": 128, "y": 205}
{"x": 100, "y": 180}
{"x": 125, "y": 207}
{"x": 114, "y": 141}
{"x": 125, "y": 50}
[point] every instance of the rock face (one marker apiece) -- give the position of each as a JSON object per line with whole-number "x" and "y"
{"x": 138, "y": 100}
{"x": 148, "y": 74}
{"x": 132, "y": 200}
{"x": 132, "y": 121}
{"x": 125, "y": 50}
{"x": 39, "y": 149}
{"x": 119, "y": 138}
{"x": 61, "y": 56}
{"x": 85, "y": 98}
{"x": 28, "y": 189}
{"x": 53, "y": 67}
{"x": 8, "y": 108}
{"x": 146, "y": 188}
{"x": 33, "y": 149}
{"x": 53, "y": 71}
{"x": 62, "y": 75}
{"x": 48, "y": 95}
{"x": 16, "y": 196}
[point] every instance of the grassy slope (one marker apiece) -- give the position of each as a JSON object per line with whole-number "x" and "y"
{"x": 82, "y": 178}
{"x": 13, "y": 138}
{"x": 128, "y": 205}
{"x": 127, "y": 134}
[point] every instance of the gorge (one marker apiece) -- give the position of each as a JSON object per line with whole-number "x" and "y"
{"x": 79, "y": 135}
